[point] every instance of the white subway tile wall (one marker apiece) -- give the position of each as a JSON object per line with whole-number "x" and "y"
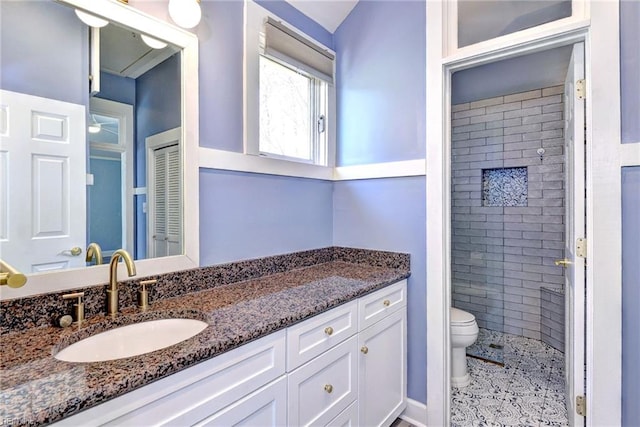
{"x": 502, "y": 256}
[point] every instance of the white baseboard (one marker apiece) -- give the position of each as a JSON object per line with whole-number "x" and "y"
{"x": 415, "y": 413}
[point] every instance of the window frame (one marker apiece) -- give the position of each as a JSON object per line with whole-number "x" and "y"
{"x": 317, "y": 140}
{"x": 254, "y": 19}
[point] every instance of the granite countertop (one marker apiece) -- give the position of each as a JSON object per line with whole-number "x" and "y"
{"x": 38, "y": 389}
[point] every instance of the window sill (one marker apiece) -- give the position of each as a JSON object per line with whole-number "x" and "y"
{"x": 227, "y": 160}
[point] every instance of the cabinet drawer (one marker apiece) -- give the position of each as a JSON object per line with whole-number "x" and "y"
{"x": 324, "y": 387}
{"x": 381, "y": 303}
{"x": 313, "y": 337}
{"x": 347, "y": 418}
{"x": 266, "y": 407}
{"x": 198, "y": 392}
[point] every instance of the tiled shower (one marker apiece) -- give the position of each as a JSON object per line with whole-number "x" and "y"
{"x": 508, "y": 213}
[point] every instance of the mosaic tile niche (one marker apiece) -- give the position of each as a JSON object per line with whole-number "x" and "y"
{"x": 504, "y": 187}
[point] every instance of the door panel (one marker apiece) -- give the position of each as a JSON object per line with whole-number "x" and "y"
{"x": 43, "y": 147}
{"x": 575, "y": 228}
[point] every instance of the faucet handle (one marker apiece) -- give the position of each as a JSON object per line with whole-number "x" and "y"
{"x": 78, "y": 307}
{"x": 143, "y": 294}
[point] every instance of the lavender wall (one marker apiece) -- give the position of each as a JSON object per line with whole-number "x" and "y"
{"x": 629, "y": 68}
{"x": 630, "y": 295}
{"x": 380, "y": 76}
{"x": 390, "y": 214}
{"x": 117, "y": 88}
{"x": 221, "y": 46}
{"x": 246, "y": 215}
{"x": 157, "y": 109}
{"x": 52, "y": 61}
{"x": 381, "y": 117}
{"x": 630, "y": 105}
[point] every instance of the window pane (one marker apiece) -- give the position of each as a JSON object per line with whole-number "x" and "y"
{"x": 285, "y": 111}
{"x": 104, "y": 129}
{"x": 480, "y": 20}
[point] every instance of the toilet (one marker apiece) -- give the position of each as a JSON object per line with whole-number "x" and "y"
{"x": 464, "y": 332}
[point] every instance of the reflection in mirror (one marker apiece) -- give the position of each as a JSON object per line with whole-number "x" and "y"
{"x": 74, "y": 166}
{"x": 100, "y": 192}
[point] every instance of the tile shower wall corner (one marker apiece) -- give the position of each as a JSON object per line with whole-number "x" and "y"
{"x": 502, "y": 255}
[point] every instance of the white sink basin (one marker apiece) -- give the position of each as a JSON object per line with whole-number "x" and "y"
{"x": 131, "y": 340}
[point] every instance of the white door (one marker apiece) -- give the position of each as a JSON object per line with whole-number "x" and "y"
{"x": 164, "y": 183}
{"x": 575, "y": 228}
{"x": 42, "y": 157}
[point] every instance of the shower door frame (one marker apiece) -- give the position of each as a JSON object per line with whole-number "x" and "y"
{"x": 597, "y": 25}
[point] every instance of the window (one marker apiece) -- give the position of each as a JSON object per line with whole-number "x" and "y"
{"x": 292, "y": 113}
{"x": 289, "y": 111}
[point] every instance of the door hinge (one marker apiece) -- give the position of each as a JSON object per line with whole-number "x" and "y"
{"x": 581, "y": 247}
{"x": 581, "y": 89}
{"x": 581, "y": 405}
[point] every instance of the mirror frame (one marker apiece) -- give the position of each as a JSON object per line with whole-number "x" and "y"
{"x": 133, "y": 18}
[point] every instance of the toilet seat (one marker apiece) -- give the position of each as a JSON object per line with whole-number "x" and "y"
{"x": 461, "y": 317}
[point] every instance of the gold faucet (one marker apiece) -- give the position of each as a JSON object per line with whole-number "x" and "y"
{"x": 94, "y": 251}
{"x": 112, "y": 292}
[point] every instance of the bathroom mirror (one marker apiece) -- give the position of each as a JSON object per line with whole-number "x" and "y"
{"x": 106, "y": 156}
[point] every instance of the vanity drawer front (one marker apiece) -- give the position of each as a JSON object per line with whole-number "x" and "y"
{"x": 325, "y": 386}
{"x": 266, "y": 407}
{"x": 347, "y": 418}
{"x": 313, "y": 337}
{"x": 232, "y": 376}
{"x": 376, "y": 306}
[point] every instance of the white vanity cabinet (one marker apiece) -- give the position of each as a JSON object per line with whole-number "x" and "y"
{"x": 345, "y": 367}
{"x": 192, "y": 395}
{"x": 371, "y": 363}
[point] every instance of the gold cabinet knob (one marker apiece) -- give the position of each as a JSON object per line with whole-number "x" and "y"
{"x": 562, "y": 262}
{"x": 364, "y": 349}
{"x": 328, "y": 388}
{"x": 386, "y": 303}
{"x": 328, "y": 330}
{"x": 75, "y": 251}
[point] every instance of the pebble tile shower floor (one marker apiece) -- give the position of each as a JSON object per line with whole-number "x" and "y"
{"x": 528, "y": 391}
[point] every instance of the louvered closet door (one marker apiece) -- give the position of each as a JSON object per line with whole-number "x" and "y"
{"x": 167, "y": 211}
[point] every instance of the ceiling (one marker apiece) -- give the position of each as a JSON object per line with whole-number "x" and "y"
{"x": 328, "y": 13}
{"x": 520, "y": 74}
{"x": 122, "y": 52}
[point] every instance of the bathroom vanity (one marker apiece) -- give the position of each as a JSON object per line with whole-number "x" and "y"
{"x": 322, "y": 344}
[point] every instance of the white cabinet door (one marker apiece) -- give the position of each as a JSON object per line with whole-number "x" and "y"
{"x": 382, "y": 374}
{"x": 266, "y": 407}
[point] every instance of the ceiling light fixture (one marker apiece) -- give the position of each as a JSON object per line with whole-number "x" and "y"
{"x": 94, "y": 126}
{"x": 153, "y": 43}
{"x": 91, "y": 20}
{"x": 185, "y": 13}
